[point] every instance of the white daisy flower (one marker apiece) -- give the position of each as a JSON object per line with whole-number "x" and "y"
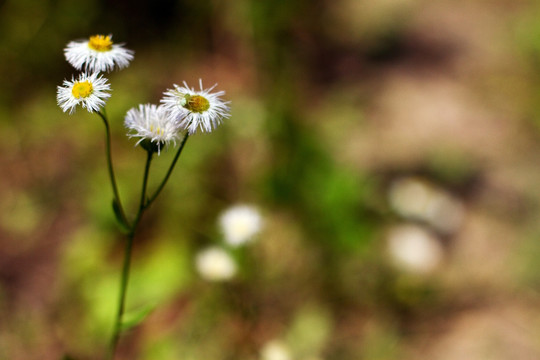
{"x": 275, "y": 350}
{"x": 215, "y": 264}
{"x": 151, "y": 122}
{"x": 239, "y": 224}
{"x": 98, "y": 53}
{"x": 89, "y": 91}
{"x": 416, "y": 199}
{"x": 414, "y": 249}
{"x": 196, "y": 109}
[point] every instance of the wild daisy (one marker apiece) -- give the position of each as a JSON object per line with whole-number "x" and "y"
{"x": 98, "y": 53}
{"x": 215, "y": 264}
{"x": 414, "y": 249}
{"x": 420, "y": 200}
{"x": 196, "y": 109}
{"x": 152, "y": 123}
{"x": 89, "y": 91}
{"x": 239, "y": 224}
{"x": 276, "y": 350}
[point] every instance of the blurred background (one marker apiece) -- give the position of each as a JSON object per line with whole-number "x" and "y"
{"x": 391, "y": 148}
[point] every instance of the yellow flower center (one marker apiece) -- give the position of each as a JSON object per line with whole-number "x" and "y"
{"x": 100, "y": 43}
{"x": 82, "y": 89}
{"x": 196, "y": 103}
{"x": 158, "y": 131}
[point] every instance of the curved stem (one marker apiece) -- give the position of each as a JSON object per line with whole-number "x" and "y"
{"x": 110, "y": 167}
{"x": 122, "y": 297}
{"x": 142, "y": 203}
{"x": 127, "y": 262}
{"x": 169, "y": 172}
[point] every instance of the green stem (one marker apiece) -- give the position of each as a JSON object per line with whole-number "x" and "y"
{"x": 142, "y": 203}
{"x": 110, "y": 167}
{"x": 122, "y": 297}
{"x": 169, "y": 172}
{"x": 127, "y": 262}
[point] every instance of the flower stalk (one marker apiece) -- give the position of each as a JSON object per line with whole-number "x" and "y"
{"x": 169, "y": 172}
{"x": 127, "y": 261}
{"x": 117, "y": 202}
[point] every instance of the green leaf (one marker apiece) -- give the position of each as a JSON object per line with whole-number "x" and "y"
{"x": 118, "y": 214}
{"x": 134, "y": 318}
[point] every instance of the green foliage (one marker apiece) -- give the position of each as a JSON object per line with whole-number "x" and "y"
{"x": 136, "y": 317}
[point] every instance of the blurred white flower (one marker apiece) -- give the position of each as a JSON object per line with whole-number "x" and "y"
{"x": 194, "y": 110}
{"x": 215, "y": 264}
{"x": 275, "y": 350}
{"x": 96, "y": 54}
{"x": 415, "y": 199}
{"x": 414, "y": 249}
{"x": 152, "y": 123}
{"x": 239, "y": 224}
{"x": 89, "y": 91}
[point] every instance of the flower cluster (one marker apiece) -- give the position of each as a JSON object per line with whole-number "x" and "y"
{"x": 95, "y": 55}
{"x": 239, "y": 224}
{"x": 182, "y": 108}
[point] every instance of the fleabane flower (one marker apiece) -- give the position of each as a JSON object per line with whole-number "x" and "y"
{"x": 239, "y": 224}
{"x": 151, "y": 123}
{"x": 215, "y": 264}
{"x": 201, "y": 109}
{"x": 276, "y": 350}
{"x": 98, "y": 53}
{"x": 89, "y": 91}
{"x": 414, "y": 249}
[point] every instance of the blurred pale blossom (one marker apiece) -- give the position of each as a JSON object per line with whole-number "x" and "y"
{"x": 416, "y": 199}
{"x": 275, "y": 350}
{"x": 414, "y": 249}
{"x": 215, "y": 264}
{"x": 240, "y": 223}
